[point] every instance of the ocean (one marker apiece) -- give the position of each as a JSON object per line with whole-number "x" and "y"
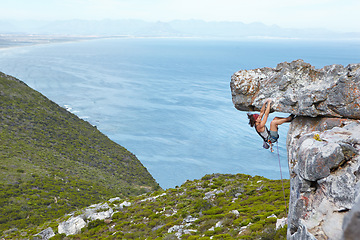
{"x": 168, "y": 101}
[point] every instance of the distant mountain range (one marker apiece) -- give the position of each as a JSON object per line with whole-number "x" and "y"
{"x": 177, "y": 28}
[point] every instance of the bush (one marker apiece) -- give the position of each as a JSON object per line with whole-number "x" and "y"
{"x": 202, "y": 205}
{"x": 257, "y": 226}
{"x": 96, "y": 223}
{"x": 213, "y": 211}
{"x": 223, "y": 236}
{"x": 59, "y": 236}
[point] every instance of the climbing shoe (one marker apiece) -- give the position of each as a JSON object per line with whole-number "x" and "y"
{"x": 292, "y": 117}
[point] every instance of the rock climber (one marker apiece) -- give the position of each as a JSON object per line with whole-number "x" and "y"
{"x": 259, "y": 120}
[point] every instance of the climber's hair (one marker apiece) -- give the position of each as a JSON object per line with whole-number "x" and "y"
{"x": 252, "y": 119}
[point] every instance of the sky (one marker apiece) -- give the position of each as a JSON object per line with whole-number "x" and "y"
{"x": 336, "y": 15}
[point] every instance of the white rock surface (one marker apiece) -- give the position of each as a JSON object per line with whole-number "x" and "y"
{"x": 44, "y": 235}
{"x": 72, "y": 226}
{"x": 280, "y": 223}
{"x": 98, "y": 211}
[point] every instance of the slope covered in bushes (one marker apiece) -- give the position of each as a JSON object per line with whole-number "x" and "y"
{"x": 217, "y": 206}
{"x": 52, "y": 162}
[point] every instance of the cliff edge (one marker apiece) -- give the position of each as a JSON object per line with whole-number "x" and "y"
{"x": 323, "y": 141}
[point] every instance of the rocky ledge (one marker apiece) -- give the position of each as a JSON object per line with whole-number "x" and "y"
{"x": 299, "y": 88}
{"x": 323, "y": 141}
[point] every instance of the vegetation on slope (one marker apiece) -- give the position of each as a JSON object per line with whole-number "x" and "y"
{"x": 52, "y": 162}
{"x": 218, "y": 206}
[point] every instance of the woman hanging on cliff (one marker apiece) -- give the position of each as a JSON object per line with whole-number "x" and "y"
{"x": 259, "y": 120}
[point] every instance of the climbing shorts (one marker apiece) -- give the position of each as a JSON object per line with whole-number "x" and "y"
{"x": 274, "y": 136}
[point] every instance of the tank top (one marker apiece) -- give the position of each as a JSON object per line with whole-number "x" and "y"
{"x": 265, "y": 134}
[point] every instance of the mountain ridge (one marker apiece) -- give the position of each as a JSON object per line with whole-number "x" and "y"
{"x": 175, "y": 28}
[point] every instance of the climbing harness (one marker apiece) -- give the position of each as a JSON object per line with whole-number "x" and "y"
{"x": 282, "y": 183}
{"x": 271, "y": 147}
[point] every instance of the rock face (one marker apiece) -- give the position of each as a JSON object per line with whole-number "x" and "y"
{"x": 324, "y": 175}
{"x": 299, "y": 88}
{"x": 323, "y": 142}
{"x": 351, "y": 223}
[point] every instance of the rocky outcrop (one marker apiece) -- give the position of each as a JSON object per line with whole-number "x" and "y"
{"x": 74, "y": 224}
{"x": 44, "y": 235}
{"x": 179, "y": 230}
{"x": 323, "y": 142}
{"x": 299, "y": 88}
{"x": 324, "y": 174}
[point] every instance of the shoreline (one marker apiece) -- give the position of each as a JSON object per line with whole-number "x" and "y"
{"x": 24, "y": 40}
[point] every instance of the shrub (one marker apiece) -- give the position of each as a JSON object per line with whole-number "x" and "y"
{"x": 202, "y": 205}
{"x": 223, "y": 236}
{"x": 96, "y": 223}
{"x": 59, "y": 236}
{"x": 213, "y": 211}
{"x": 256, "y": 226}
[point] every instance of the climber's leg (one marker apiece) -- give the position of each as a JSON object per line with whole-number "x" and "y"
{"x": 278, "y": 121}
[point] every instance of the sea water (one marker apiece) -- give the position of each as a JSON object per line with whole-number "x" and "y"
{"x": 168, "y": 100}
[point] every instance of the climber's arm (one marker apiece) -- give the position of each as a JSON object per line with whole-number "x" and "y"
{"x": 262, "y": 111}
{"x": 264, "y": 114}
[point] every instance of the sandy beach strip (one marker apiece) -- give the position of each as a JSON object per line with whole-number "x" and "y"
{"x": 20, "y": 40}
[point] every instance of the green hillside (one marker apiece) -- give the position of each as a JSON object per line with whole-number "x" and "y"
{"x": 52, "y": 162}
{"x": 218, "y": 206}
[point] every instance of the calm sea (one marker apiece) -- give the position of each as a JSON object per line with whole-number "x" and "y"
{"x": 168, "y": 100}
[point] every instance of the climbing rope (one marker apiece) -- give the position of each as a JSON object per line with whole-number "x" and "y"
{"x": 282, "y": 183}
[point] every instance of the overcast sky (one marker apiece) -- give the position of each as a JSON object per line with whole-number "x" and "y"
{"x": 338, "y": 15}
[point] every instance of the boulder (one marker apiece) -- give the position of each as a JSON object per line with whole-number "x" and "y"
{"x": 299, "y": 88}
{"x": 124, "y": 204}
{"x": 44, "y": 235}
{"x": 179, "y": 230}
{"x": 101, "y": 211}
{"x": 98, "y": 211}
{"x": 72, "y": 226}
{"x": 280, "y": 223}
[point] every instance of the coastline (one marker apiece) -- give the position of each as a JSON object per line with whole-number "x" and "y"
{"x": 22, "y": 40}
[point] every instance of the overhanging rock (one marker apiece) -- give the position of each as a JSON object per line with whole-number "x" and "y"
{"x": 299, "y": 88}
